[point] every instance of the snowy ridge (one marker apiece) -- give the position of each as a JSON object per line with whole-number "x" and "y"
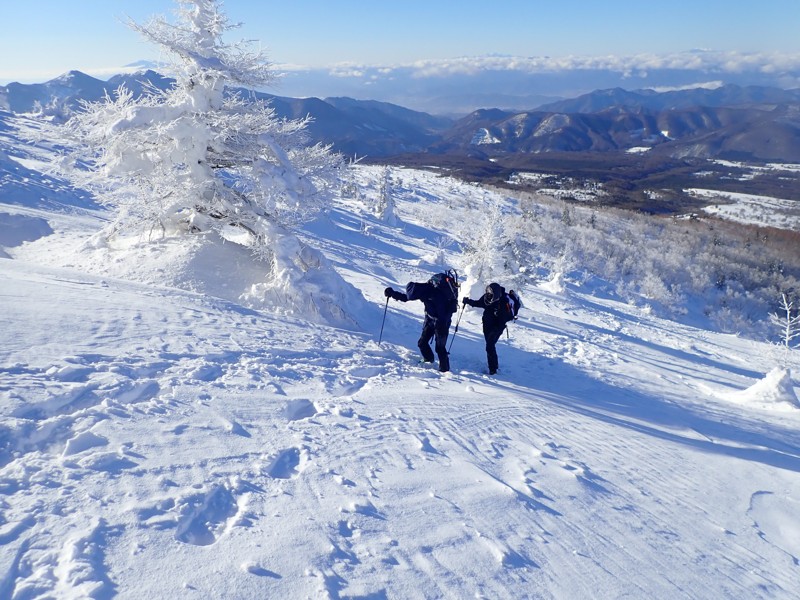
{"x": 160, "y": 439}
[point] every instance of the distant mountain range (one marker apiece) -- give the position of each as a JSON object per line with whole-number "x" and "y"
{"x": 734, "y": 122}
{"x": 456, "y": 86}
{"x": 757, "y": 132}
{"x": 353, "y": 127}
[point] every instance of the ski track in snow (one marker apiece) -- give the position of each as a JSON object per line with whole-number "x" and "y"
{"x": 189, "y": 431}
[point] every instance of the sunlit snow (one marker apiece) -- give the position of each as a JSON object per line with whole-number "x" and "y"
{"x": 161, "y": 437}
{"x": 752, "y": 209}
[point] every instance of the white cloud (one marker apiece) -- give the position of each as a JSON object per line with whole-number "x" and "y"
{"x": 708, "y": 85}
{"x": 638, "y": 65}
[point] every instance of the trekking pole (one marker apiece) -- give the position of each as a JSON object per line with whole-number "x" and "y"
{"x": 384, "y": 319}
{"x": 455, "y": 331}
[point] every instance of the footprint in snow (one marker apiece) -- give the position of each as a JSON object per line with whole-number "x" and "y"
{"x": 287, "y": 464}
{"x": 70, "y": 373}
{"x": 259, "y": 571}
{"x": 207, "y": 517}
{"x": 139, "y": 392}
{"x": 235, "y": 428}
{"x": 346, "y": 529}
{"x": 514, "y": 560}
{"x": 366, "y": 508}
{"x": 296, "y": 410}
{"x": 110, "y": 462}
{"x": 82, "y": 442}
{"x": 206, "y": 372}
{"x": 425, "y": 444}
{"x": 345, "y": 386}
{"x": 586, "y": 477}
{"x": 365, "y": 371}
{"x": 344, "y": 481}
{"x": 158, "y": 515}
{"x": 97, "y": 461}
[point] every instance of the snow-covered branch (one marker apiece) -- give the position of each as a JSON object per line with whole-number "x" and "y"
{"x": 196, "y": 44}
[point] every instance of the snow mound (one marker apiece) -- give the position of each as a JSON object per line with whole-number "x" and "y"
{"x": 300, "y": 282}
{"x": 774, "y": 391}
{"x": 555, "y": 285}
{"x": 17, "y": 229}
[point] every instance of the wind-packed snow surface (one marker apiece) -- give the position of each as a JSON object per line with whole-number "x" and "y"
{"x": 166, "y": 441}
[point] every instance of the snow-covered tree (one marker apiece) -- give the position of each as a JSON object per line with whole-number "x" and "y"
{"x": 384, "y": 206}
{"x": 200, "y": 157}
{"x": 197, "y": 157}
{"x": 787, "y": 321}
{"x": 485, "y": 256}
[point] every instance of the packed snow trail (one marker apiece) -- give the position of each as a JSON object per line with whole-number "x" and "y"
{"x": 158, "y": 442}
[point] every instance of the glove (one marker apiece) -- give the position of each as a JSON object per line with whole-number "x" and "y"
{"x": 465, "y": 300}
{"x": 388, "y": 292}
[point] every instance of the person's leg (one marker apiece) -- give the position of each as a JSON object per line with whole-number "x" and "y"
{"x": 424, "y": 343}
{"x": 492, "y": 335}
{"x": 442, "y": 330}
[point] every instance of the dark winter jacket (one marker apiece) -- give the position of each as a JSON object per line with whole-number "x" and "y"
{"x": 492, "y": 304}
{"x": 438, "y": 305}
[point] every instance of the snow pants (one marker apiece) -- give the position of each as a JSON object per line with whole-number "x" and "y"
{"x": 492, "y": 333}
{"x": 435, "y": 328}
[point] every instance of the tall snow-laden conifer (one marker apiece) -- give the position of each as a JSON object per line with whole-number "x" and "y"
{"x": 197, "y": 157}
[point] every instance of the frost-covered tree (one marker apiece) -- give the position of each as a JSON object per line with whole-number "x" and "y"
{"x": 384, "y": 206}
{"x": 196, "y": 157}
{"x": 787, "y": 321}
{"x": 485, "y": 254}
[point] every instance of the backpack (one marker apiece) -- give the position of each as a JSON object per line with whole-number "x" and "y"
{"x": 516, "y": 302}
{"x": 446, "y": 285}
{"x": 509, "y": 306}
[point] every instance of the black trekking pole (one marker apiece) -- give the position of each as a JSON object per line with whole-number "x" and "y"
{"x": 455, "y": 331}
{"x": 384, "y": 319}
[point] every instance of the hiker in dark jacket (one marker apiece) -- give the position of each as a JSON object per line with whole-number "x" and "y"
{"x": 495, "y": 317}
{"x": 440, "y": 304}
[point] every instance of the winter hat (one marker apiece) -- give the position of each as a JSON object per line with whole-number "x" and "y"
{"x": 494, "y": 292}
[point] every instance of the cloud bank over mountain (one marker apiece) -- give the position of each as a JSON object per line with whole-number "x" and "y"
{"x": 460, "y": 85}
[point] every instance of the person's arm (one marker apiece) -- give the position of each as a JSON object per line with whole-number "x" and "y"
{"x": 417, "y": 291}
{"x": 479, "y": 303}
{"x": 395, "y": 295}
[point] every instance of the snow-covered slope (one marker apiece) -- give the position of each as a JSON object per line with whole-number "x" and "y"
{"x": 168, "y": 441}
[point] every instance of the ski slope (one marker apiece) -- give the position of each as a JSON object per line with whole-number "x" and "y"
{"x": 157, "y": 441}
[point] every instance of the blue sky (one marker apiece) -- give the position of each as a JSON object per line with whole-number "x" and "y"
{"x": 43, "y": 39}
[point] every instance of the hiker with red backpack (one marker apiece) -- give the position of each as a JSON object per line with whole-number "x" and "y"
{"x": 498, "y": 309}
